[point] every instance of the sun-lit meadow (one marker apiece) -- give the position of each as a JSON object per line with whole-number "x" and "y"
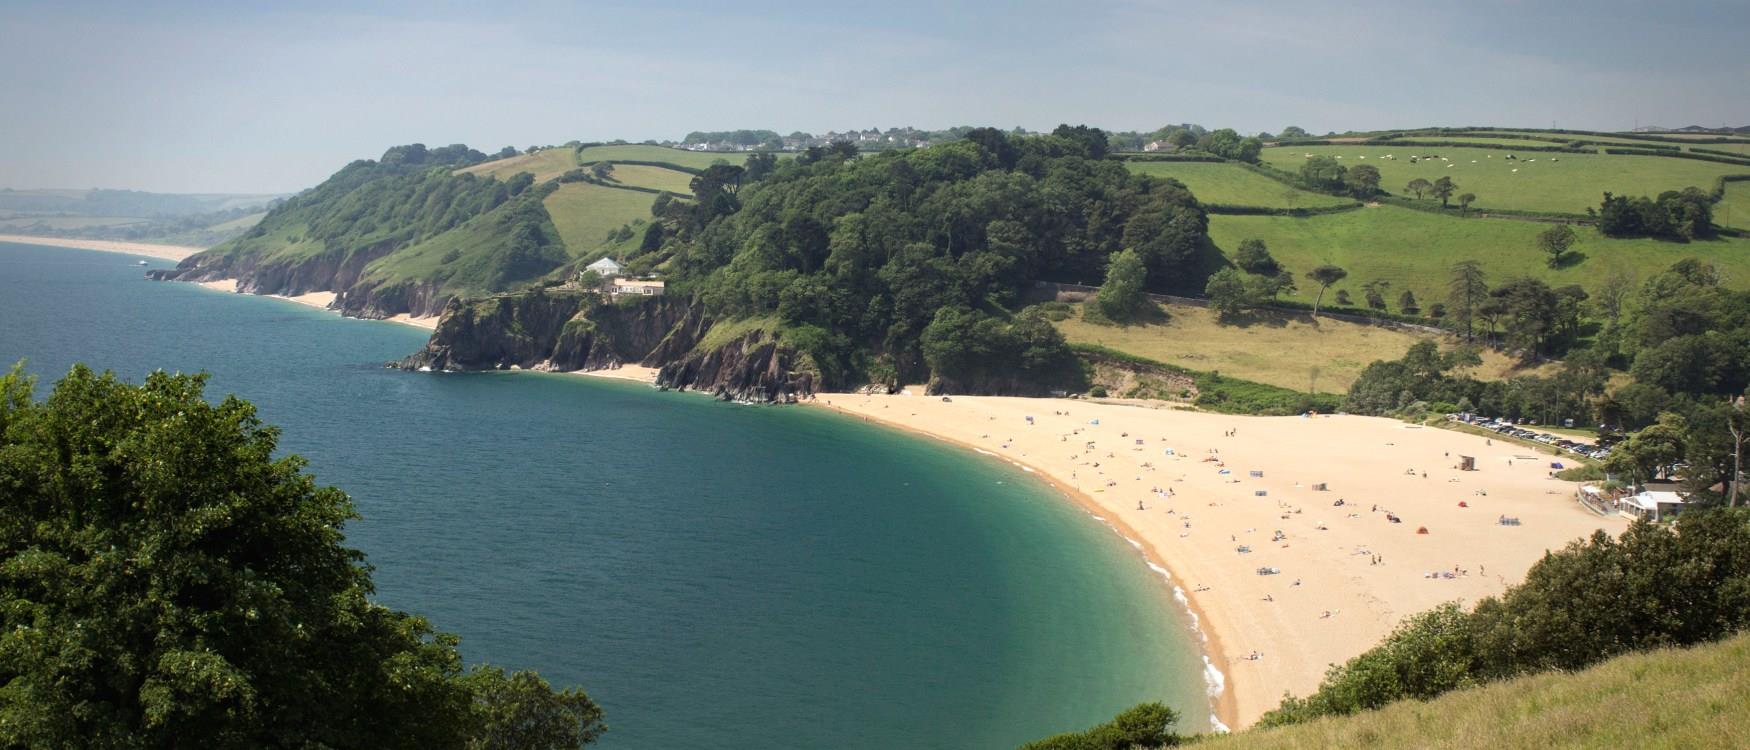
{"x": 1535, "y": 181}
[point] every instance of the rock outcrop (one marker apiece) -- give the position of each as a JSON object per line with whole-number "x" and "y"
{"x": 565, "y": 330}
{"x": 335, "y": 271}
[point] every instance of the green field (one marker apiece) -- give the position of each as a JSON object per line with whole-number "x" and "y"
{"x": 1736, "y": 148}
{"x": 1191, "y": 337}
{"x": 545, "y": 165}
{"x": 1733, "y": 210}
{"x": 1674, "y": 699}
{"x": 1566, "y": 183}
{"x": 1234, "y": 185}
{"x": 1482, "y": 140}
{"x": 1414, "y": 250}
{"x": 239, "y": 223}
{"x": 585, "y": 213}
{"x": 694, "y": 159}
{"x": 653, "y": 177}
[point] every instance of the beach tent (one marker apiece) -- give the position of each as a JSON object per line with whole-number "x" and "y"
{"x": 1255, "y": 473}
{"x": 1320, "y": 487}
{"x": 1555, "y": 464}
{"x": 1467, "y": 463}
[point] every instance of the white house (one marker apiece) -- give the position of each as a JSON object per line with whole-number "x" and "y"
{"x": 1652, "y": 505}
{"x": 606, "y": 267}
{"x": 643, "y": 287}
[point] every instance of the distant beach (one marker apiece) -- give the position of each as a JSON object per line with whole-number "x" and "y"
{"x": 1215, "y": 490}
{"x": 323, "y": 301}
{"x": 150, "y": 250}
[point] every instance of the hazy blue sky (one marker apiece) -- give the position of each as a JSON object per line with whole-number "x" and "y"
{"x": 244, "y": 97}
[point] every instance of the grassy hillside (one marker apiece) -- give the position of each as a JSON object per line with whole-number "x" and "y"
{"x": 1414, "y": 250}
{"x": 642, "y": 175}
{"x": 1192, "y": 338}
{"x": 1566, "y": 183}
{"x": 584, "y": 214}
{"x": 1667, "y": 700}
{"x": 545, "y": 165}
{"x": 694, "y": 159}
{"x": 1234, "y": 185}
{"x": 1733, "y": 210}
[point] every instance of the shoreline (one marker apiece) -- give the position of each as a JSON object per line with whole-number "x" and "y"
{"x": 1261, "y": 635}
{"x": 147, "y": 249}
{"x": 318, "y": 300}
{"x": 1224, "y": 710}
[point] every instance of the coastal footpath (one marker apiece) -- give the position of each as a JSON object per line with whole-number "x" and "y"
{"x": 1283, "y": 580}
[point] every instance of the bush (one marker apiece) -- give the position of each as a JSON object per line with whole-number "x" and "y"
{"x": 1654, "y": 586}
{"x": 1146, "y": 725}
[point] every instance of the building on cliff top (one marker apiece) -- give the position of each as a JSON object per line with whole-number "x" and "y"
{"x": 644, "y": 287}
{"x": 606, "y": 267}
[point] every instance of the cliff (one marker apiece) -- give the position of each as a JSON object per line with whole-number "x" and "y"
{"x": 567, "y": 330}
{"x": 338, "y": 271}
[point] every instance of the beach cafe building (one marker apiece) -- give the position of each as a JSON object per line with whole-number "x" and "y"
{"x": 1652, "y": 505}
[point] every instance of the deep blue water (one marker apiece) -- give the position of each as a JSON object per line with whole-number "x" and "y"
{"x": 714, "y": 575}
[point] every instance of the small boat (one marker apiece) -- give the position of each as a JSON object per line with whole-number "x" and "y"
{"x": 141, "y": 263}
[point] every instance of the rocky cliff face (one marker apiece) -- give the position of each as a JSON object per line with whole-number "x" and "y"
{"x": 748, "y": 369}
{"x": 338, "y": 272}
{"x": 565, "y": 331}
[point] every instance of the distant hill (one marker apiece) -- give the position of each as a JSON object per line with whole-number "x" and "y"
{"x": 199, "y": 220}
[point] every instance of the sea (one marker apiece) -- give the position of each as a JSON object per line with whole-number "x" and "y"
{"x": 714, "y": 575}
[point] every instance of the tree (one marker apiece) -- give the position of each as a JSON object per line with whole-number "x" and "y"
{"x": 601, "y": 169}
{"x": 170, "y": 583}
{"x": 1443, "y": 189}
{"x": 1293, "y": 131}
{"x": 522, "y": 712}
{"x": 758, "y": 165}
{"x": 1227, "y": 292}
{"x": 1465, "y": 292}
{"x": 1362, "y": 180}
{"x": 1374, "y": 291}
{"x": 1464, "y": 201}
{"x": 1407, "y": 303}
{"x": 1122, "y": 296}
{"x": 1146, "y": 725}
{"x": 1254, "y": 257}
{"x": 1419, "y": 187}
{"x": 1555, "y": 241}
{"x": 1323, "y": 173}
{"x": 1182, "y": 138}
{"x": 1529, "y": 309}
{"x": 1092, "y": 140}
{"x": 1325, "y": 275}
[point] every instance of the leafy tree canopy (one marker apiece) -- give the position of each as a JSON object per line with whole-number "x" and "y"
{"x": 167, "y": 583}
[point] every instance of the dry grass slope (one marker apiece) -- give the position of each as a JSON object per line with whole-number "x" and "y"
{"x": 1276, "y": 349}
{"x": 1677, "y": 699}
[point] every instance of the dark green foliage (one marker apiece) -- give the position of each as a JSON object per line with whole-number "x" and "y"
{"x": 1227, "y": 293}
{"x": 167, "y": 582}
{"x": 522, "y": 712}
{"x": 1323, "y": 173}
{"x": 1122, "y": 297}
{"x": 1654, "y": 586}
{"x": 974, "y": 352}
{"x": 1407, "y": 303}
{"x": 1677, "y": 215}
{"x": 1254, "y": 257}
{"x": 1228, "y": 144}
{"x": 1443, "y": 189}
{"x": 1146, "y": 725}
{"x": 872, "y": 248}
{"x": 1325, "y": 275}
{"x": 1362, "y": 181}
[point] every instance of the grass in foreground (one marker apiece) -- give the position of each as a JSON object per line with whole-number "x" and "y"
{"x": 1278, "y": 349}
{"x": 1415, "y": 250}
{"x": 1733, "y": 210}
{"x": 1570, "y": 185}
{"x": 585, "y": 213}
{"x": 1674, "y": 698}
{"x": 545, "y": 165}
{"x": 1234, "y": 185}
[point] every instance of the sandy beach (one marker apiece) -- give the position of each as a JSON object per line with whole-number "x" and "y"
{"x": 638, "y": 373}
{"x": 1213, "y": 498}
{"x": 321, "y": 300}
{"x": 166, "y": 252}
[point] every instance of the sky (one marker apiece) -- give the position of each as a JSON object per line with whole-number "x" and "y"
{"x": 243, "y": 97}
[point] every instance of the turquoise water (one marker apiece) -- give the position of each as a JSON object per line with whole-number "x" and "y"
{"x": 715, "y": 575}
